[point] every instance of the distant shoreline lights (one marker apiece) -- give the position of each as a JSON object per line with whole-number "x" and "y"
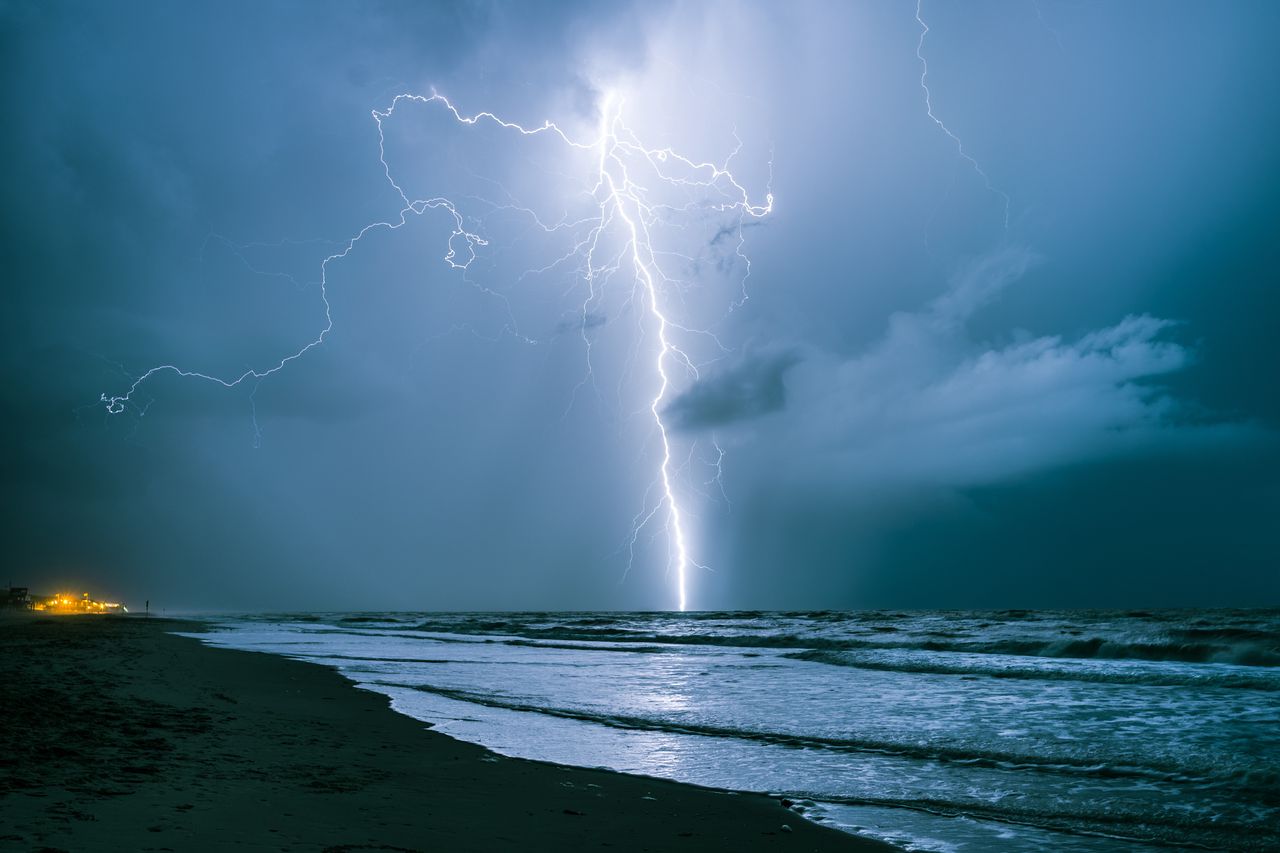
{"x": 64, "y": 603}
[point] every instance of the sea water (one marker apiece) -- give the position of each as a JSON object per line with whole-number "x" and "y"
{"x": 945, "y": 731}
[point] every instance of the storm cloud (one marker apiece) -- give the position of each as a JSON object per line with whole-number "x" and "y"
{"x": 903, "y": 400}
{"x": 748, "y": 388}
{"x": 929, "y": 403}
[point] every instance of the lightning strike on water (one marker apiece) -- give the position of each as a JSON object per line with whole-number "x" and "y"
{"x": 623, "y": 203}
{"x": 928, "y": 103}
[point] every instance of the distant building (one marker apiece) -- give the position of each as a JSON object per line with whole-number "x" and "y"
{"x": 15, "y": 598}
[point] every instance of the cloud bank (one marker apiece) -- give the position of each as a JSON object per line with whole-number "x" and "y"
{"x": 928, "y": 403}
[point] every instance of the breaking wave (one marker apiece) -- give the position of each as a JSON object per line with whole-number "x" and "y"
{"x": 1082, "y": 764}
{"x": 1240, "y": 646}
{"x": 1007, "y": 667}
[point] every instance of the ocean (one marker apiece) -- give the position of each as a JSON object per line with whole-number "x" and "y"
{"x": 935, "y": 730}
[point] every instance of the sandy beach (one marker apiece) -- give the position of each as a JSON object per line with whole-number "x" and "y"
{"x": 121, "y": 736}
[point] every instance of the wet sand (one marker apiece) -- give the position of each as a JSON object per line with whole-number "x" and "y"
{"x": 120, "y": 736}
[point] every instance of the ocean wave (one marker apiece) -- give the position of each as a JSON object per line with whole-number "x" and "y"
{"x": 1146, "y": 677}
{"x": 1163, "y": 827}
{"x": 1250, "y": 780}
{"x": 1105, "y": 648}
{"x": 1257, "y": 648}
{"x": 568, "y": 631}
{"x": 363, "y": 620}
{"x": 578, "y": 647}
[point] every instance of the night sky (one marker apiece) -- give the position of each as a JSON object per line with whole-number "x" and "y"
{"x": 918, "y": 406}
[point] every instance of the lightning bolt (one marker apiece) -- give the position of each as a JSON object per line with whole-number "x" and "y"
{"x": 928, "y": 103}
{"x": 116, "y": 404}
{"x": 624, "y": 205}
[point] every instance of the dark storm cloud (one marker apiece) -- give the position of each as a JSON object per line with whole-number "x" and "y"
{"x": 154, "y": 143}
{"x": 750, "y": 387}
{"x": 912, "y": 416}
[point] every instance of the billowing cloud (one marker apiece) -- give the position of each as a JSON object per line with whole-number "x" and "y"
{"x": 926, "y": 403}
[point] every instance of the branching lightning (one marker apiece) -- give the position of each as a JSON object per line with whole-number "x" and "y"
{"x": 625, "y": 211}
{"x": 928, "y": 102}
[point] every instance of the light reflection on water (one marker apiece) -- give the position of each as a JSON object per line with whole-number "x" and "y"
{"x": 874, "y": 724}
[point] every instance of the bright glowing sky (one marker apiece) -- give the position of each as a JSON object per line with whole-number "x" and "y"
{"x": 917, "y": 406}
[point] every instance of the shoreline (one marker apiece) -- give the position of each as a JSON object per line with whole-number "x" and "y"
{"x": 124, "y": 736}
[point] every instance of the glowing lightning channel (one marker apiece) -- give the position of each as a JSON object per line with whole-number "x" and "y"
{"x": 620, "y": 199}
{"x": 928, "y": 103}
{"x": 618, "y": 193}
{"x": 643, "y": 266}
